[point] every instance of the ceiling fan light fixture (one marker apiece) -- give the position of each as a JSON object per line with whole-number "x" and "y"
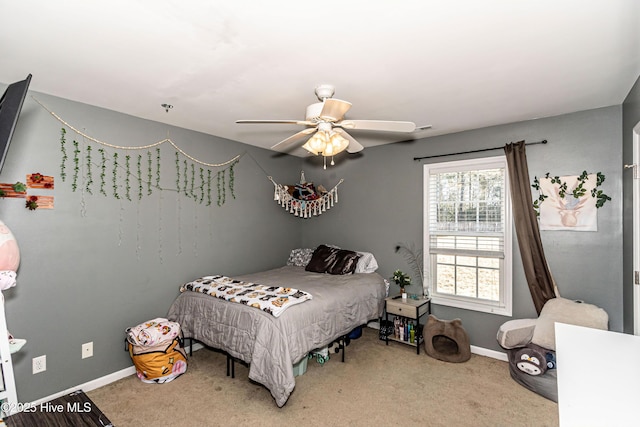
{"x": 328, "y": 150}
{"x": 326, "y": 143}
{"x": 308, "y": 147}
{"x": 338, "y": 143}
{"x": 317, "y": 143}
{"x": 326, "y": 134}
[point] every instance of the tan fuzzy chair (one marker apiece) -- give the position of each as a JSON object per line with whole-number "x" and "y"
{"x": 446, "y": 340}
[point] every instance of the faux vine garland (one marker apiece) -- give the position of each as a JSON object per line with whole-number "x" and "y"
{"x": 103, "y": 168}
{"x": 578, "y": 191}
{"x": 63, "y": 174}
{"x": 185, "y": 172}
{"x": 76, "y": 164}
{"x": 89, "y": 177}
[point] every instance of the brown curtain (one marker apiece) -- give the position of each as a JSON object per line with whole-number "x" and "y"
{"x": 536, "y": 270}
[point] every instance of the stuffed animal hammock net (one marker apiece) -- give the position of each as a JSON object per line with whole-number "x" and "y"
{"x": 305, "y": 200}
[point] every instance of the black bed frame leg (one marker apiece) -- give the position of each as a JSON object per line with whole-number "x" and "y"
{"x": 231, "y": 366}
{"x": 342, "y": 345}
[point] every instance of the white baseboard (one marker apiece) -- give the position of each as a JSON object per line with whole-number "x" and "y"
{"x": 489, "y": 353}
{"x": 131, "y": 370}
{"x": 91, "y": 385}
{"x": 102, "y": 381}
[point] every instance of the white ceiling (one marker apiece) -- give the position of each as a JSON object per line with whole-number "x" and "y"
{"x": 456, "y": 65}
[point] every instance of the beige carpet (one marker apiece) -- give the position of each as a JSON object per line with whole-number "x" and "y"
{"x": 377, "y": 385}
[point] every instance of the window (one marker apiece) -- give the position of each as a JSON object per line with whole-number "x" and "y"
{"x": 467, "y": 223}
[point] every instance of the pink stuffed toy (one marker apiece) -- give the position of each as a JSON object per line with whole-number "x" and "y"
{"x": 9, "y": 257}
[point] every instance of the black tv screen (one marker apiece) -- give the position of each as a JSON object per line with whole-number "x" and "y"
{"x": 10, "y": 106}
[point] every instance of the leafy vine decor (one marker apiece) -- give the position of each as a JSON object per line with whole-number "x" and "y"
{"x": 115, "y": 176}
{"x": 197, "y": 187}
{"x": 103, "y": 168}
{"x": 150, "y": 173}
{"x": 63, "y": 173}
{"x": 89, "y": 180}
{"x": 139, "y": 170}
{"x": 579, "y": 190}
{"x": 76, "y": 164}
{"x": 127, "y": 175}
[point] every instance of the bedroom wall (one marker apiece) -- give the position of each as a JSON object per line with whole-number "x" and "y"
{"x": 381, "y": 204}
{"x": 630, "y": 118}
{"x": 94, "y": 265}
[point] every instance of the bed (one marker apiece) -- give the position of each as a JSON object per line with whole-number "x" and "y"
{"x": 271, "y": 345}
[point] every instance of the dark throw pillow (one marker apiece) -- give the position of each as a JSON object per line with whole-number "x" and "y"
{"x": 332, "y": 260}
{"x": 323, "y": 257}
{"x": 345, "y": 262}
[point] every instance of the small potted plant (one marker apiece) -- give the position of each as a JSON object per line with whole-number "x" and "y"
{"x": 403, "y": 280}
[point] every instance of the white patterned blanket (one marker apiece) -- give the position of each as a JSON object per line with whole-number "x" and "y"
{"x": 271, "y": 299}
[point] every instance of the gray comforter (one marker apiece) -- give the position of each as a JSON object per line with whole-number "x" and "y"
{"x": 270, "y": 345}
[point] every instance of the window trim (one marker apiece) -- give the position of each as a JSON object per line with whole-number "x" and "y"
{"x": 505, "y": 305}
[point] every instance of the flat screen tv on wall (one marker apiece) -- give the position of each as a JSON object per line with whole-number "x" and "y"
{"x": 10, "y": 107}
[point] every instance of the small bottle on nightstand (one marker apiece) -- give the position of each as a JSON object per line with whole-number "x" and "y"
{"x": 412, "y": 333}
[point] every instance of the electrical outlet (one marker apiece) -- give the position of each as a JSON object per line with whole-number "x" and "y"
{"x": 87, "y": 350}
{"x": 39, "y": 364}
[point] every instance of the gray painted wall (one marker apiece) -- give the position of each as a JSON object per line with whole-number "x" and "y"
{"x": 87, "y": 275}
{"x": 630, "y": 117}
{"x": 381, "y": 204}
{"x": 93, "y": 265}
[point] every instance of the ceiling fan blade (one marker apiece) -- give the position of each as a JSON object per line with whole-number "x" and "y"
{"x": 295, "y": 138}
{"x": 333, "y": 110}
{"x": 378, "y": 125}
{"x": 285, "y": 122}
{"x": 354, "y": 146}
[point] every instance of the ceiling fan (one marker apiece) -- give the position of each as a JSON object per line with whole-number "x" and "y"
{"x": 325, "y": 120}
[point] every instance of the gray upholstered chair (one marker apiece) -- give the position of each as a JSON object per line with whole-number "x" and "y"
{"x": 531, "y": 342}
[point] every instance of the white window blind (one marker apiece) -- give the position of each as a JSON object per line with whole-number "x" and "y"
{"x": 467, "y": 223}
{"x": 467, "y": 211}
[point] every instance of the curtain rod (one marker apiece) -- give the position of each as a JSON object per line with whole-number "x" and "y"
{"x": 544, "y": 141}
